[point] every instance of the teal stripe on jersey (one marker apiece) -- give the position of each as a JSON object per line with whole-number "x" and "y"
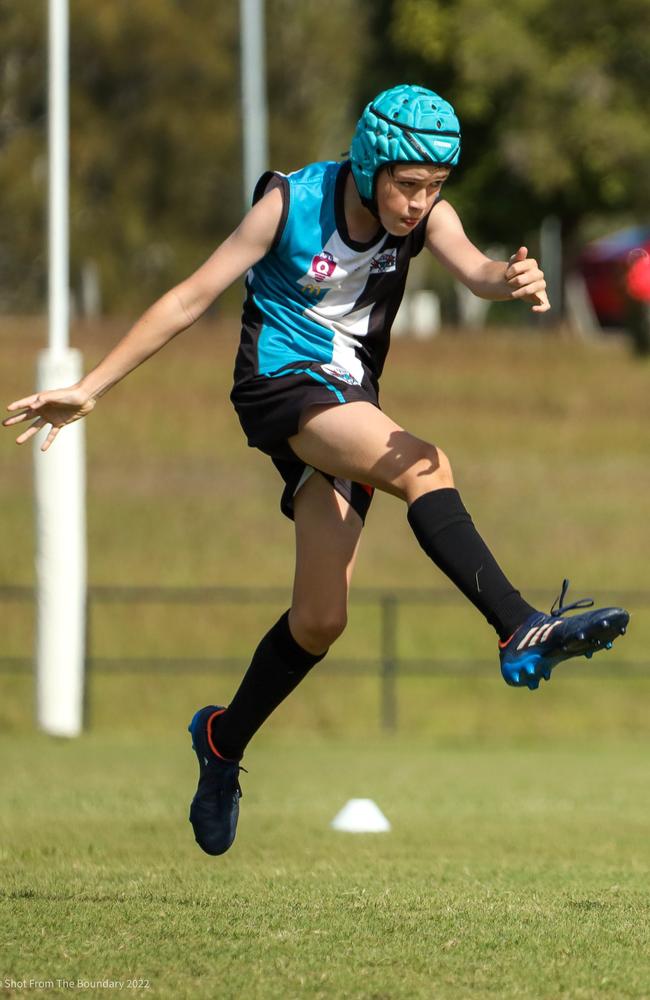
{"x": 319, "y": 378}
{"x": 274, "y": 282}
{"x": 316, "y": 377}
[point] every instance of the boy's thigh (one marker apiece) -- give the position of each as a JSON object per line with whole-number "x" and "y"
{"x": 328, "y": 530}
{"x": 360, "y": 442}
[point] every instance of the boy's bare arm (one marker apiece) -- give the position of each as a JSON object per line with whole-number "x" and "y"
{"x": 187, "y": 301}
{"x": 519, "y": 278}
{"x": 176, "y": 310}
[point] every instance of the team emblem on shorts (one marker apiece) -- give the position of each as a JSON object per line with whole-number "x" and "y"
{"x": 323, "y": 266}
{"x": 341, "y": 374}
{"x": 384, "y": 261}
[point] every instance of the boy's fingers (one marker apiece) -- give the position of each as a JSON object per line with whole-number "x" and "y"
{"x": 524, "y": 278}
{"x": 25, "y": 415}
{"x": 519, "y": 254}
{"x": 34, "y": 429}
{"x": 519, "y": 263}
{"x": 27, "y": 401}
{"x": 50, "y": 438}
{"x": 533, "y": 288}
{"x": 539, "y": 299}
{"x": 543, "y": 305}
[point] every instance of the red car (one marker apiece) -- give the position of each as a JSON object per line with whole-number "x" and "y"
{"x": 604, "y": 265}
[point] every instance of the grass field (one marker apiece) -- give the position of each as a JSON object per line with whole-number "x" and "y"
{"x": 518, "y": 865}
{"x": 507, "y": 874}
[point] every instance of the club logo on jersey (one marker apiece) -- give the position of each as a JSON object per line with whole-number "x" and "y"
{"x": 384, "y": 261}
{"x": 341, "y": 374}
{"x": 311, "y": 289}
{"x": 323, "y": 266}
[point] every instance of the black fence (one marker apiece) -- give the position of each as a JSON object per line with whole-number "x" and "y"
{"x": 387, "y": 666}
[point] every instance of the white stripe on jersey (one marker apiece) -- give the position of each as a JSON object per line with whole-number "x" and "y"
{"x": 340, "y": 291}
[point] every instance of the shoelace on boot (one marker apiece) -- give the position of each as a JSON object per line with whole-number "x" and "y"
{"x": 241, "y": 794}
{"x": 561, "y": 609}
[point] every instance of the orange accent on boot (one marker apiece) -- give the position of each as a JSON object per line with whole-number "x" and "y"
{"x": 502, "y": 645}
{"x": 230, "y": 760}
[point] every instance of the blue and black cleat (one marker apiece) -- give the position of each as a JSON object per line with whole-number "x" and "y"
{"x": 543, "y": 641}
{"x": 215, "y": 807}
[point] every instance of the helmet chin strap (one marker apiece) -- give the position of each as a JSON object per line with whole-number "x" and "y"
{"x": 371, "y": 205}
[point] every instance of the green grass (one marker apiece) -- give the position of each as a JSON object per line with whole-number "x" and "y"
{"x": 507, "y": 874}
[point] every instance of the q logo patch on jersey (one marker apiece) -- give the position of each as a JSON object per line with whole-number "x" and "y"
{"x": 384, "y": 261}
{"x": 323, "y": 266}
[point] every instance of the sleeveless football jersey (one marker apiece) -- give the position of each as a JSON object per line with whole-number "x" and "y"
{"x": 318, "y": 295}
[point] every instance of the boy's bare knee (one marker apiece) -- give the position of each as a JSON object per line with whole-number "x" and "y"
{"x": 316, "y": 630}
{"x": 444, "y": 471}
{"x": 431, "y": 470}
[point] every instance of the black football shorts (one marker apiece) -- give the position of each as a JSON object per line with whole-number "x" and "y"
{"x": 269, "y": 408}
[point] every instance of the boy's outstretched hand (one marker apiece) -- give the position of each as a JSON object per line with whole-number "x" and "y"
{"x": 525, "y": 278}
{"x": 57, "y": 407}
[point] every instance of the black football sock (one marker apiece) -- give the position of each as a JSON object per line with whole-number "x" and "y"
{"x": 277, "y": 667}
{"x": 447, "y": 534}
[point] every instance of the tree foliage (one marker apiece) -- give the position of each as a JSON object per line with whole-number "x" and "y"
{"x": 155, "y": 143}
{"x": 23, "y": 170}
{"x": 552, "y": 96}
{"x": 553, "y": 99}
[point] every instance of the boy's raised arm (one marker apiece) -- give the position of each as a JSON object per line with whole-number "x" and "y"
{"x": 518, "y": 278}
{"x": 176, "y": 310}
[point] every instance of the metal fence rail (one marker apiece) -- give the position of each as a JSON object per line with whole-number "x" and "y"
{"x": 387, "y": 666}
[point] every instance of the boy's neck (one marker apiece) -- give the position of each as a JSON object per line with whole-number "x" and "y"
{"x": 362, "y": 224}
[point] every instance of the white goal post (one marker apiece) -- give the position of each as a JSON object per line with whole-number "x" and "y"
{"x": 59, "y": 474}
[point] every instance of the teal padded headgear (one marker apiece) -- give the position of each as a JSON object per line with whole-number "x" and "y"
{"x": 405, "y": 124}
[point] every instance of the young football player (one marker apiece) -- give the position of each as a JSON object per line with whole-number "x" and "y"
{"x": 326, "y": 250}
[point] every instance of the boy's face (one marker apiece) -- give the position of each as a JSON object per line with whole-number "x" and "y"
{"x": 405, "y": 192}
